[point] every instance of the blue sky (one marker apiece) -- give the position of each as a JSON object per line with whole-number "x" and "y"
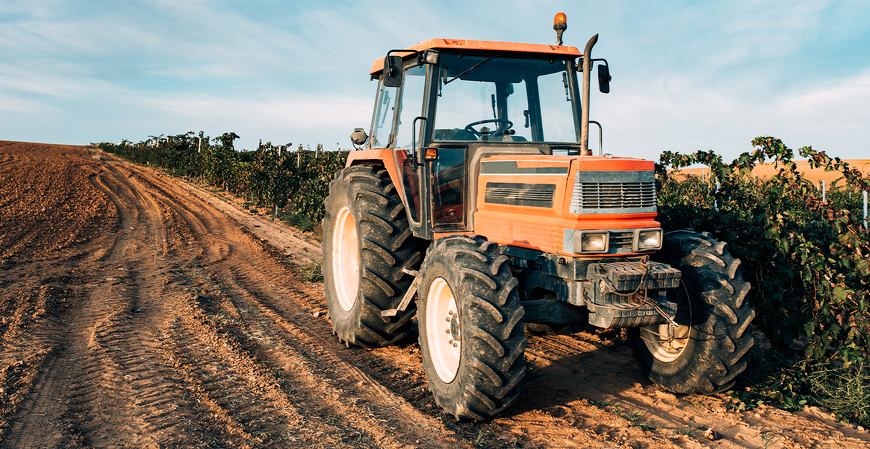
{"x": 686, "y": 75}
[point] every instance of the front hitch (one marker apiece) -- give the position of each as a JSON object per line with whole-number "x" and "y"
{"x": 630, "y": 294}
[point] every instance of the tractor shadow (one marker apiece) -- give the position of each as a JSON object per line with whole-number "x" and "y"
{"x": 584, "y": 366}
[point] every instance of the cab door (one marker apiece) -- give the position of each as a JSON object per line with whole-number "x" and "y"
{"x": 411, "y": 131}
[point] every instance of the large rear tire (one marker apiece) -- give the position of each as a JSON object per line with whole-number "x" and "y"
{"x": 471, "y": 328}
{"x": 705, "y": 352}
{"x": 366, "y": 243}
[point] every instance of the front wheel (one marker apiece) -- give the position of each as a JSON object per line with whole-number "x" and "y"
{"x": 705, "y": 351}
{"x": 471, "y": 329}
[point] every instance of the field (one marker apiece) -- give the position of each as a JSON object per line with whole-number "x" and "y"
{"x": 813, "y": 174}
{"x": 142, "y": 310}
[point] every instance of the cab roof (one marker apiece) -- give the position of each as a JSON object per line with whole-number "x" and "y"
{"x": 466, "y": 44}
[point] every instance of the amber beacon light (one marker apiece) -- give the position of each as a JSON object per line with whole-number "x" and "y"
{"x": 560, "y": 24}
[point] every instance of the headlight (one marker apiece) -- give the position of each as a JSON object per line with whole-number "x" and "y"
{"x": 591, "y": 241}
{"x": 648, "y": 239}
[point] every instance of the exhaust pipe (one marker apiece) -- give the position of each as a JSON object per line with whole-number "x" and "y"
{"x": 584, "y": 105}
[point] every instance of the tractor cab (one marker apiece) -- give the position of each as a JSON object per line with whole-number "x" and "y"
{"x": 442, "y": 105}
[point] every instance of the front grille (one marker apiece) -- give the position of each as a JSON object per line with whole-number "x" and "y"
{"x": 612, "y": 195}
{"x": 613, "y": 192}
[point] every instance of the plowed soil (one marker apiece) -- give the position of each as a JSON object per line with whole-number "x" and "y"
{"x": 141, "y": 310}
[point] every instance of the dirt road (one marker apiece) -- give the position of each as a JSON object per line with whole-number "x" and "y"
{"x": 139, "y": 310}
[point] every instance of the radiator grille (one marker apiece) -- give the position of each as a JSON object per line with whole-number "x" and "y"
{"x": 598, "y": 195}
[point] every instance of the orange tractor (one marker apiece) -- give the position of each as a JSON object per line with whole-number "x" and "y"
{"x": 475, "y": 210}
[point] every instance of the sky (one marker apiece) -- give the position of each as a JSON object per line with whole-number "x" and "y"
{"x": 687, "y": 75}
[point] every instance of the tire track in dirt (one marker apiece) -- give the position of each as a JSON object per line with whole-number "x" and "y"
{"x": 25, "y": 350}
{"x": 257, "y": 289}
{"x": 108, "y": 345}
{"x": 113, "y": 347}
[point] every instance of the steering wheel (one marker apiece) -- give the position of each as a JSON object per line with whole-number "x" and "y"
{"x": 504, "y": 124}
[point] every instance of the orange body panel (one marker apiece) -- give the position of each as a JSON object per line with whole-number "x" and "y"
{"x": 459, "y": 44}
{"x": 526, "y": 226}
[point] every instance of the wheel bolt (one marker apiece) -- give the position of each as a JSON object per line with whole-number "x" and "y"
{"x": 446, "y": 331}
{"x": 455, "y": 345}
{"x": 451, "y": 342}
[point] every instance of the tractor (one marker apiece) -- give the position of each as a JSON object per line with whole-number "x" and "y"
{"x": 474, "y": 211}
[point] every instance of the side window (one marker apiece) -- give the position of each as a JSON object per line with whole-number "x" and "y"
{"x": 382, "y": 121}
{"x": 412, "y": 105}
{"x": 448, "y": 174}
{"x": 557, "y": 114}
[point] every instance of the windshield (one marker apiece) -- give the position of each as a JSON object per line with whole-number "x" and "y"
{"x": 505, "y": 99}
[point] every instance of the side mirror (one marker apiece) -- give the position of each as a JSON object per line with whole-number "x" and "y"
{"x": 603, "y": 78}
{"x": 392, "y": 71}
{"x": 359, "y": 137}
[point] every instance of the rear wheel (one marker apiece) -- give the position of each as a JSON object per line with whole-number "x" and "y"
{"x": 366, "y": 243}
{"x": 471, "y": 329}
{"x": 705, "y": 351}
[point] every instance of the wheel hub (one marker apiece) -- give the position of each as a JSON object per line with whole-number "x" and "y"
{"x": 455, "y": 333}
{"x": 666, "y": 342}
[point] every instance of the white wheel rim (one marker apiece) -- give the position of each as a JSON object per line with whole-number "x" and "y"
{"x": 345, "y": 259}
{"x": 443, "y": 332}
{"x": 664, "y": 342}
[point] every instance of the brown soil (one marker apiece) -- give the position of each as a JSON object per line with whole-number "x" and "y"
{"x": 140, "y": 310}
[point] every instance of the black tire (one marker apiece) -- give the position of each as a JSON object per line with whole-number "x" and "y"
{"x": 363, "y": 205}
{"x": 712, "y": 339}
{"x": 488, "y": 358}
